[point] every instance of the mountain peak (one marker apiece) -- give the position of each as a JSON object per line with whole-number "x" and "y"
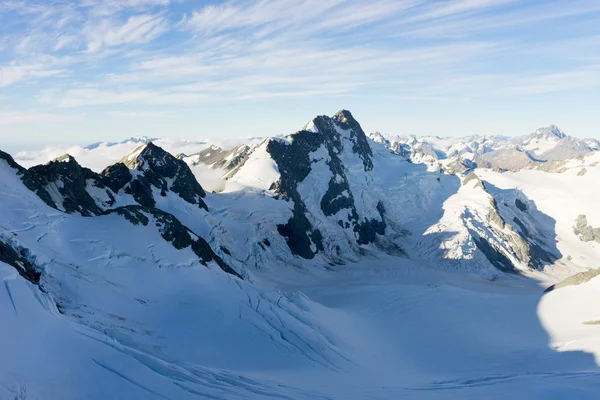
{"x": 550, "y": 131}
{"x": 144, "y": 154}
{"x": 344, "y": 116}
{"x": 65, "y": 158}
{"x": 150, "y": 149}
{"x": 377, "y": 137}
{"x": 157, "y": 166}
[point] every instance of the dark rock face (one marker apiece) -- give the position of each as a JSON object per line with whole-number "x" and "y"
{"x": 294, "y": 166}
{"x": 494, "y": 256}
{"x": 520, "y": 205}
{"x": 70, "y": 180}
{"x": 11, "y": 162}
{"x": 71, "y": 183}
{"x": 21, "y": 260}
{"x": 174, "y": 232}
{"x": 117, "y": 176}
{"x": 133, "y": 214}
{"x": 295, "y": 163}
{"x": 346, "y": 121}
{"x": 508, "y": 236}
{"x": 156, "y": 167}
{"x": 531, "y": 252}
{"x": 368, "y": 230}
{"x": 521, "y": 226}
{"x": 515, "y": 215}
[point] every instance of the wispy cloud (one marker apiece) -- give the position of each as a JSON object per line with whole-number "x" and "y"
{"x": 267, "y": 17}
{"x": 466, "y": 24}
{"x": 111, "y": 7}
{"x": 155, "y": 53}
{"x": 454, "y": 8}
{"x": 13, "y": 73}
{"x": 137, "y": 29}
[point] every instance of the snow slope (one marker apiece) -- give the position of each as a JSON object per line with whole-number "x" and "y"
{"x": 421, "y": 309}
{"x": 562, "y": 196}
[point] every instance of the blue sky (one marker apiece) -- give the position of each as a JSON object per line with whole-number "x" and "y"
{"x": 92, "y": 70}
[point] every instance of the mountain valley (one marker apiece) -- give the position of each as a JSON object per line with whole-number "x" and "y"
{"x": 324, "y": 264}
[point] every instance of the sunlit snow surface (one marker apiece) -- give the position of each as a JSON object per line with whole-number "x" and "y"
{"x": 384, "y": 330}
{"x": 141, "y": 320}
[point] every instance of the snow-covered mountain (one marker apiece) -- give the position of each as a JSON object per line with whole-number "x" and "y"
{"x": 542, "y": 140}
{"x": 325, "y": 264}
{"x": 132, "y": 140}
{"x": 545, "y": 148}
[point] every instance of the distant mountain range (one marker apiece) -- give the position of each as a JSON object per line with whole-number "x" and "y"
{"x": 544, "y": 148}
{"x": 340, "y": 188}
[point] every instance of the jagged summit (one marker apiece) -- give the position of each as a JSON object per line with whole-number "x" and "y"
{"x": 143, "y": 155}
{"x": 549, "y": 132}
{"x": 142, "y": 177}
{"x": 65, "y": 158}
{"x": 156, "y": 168}
{"x": 344, "y": 116}
{"x": 344, "y": 128}
{"x": 319, "y": 157}
{"x": 541, "y": 137}
{"x": 63, "y": 184}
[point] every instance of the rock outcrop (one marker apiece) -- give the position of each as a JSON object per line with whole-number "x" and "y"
{"x": 174, "y": 232}
{"x": 333, "y": 139}
{"x": 585, "y": 232}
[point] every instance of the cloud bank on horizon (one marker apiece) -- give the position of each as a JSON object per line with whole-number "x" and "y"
{"x": 112, "y": 68}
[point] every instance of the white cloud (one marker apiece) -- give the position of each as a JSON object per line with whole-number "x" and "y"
{"x": 10, "y": 74}
{"x": 281, "y": 49}
{"x": 138, "y": 29}
{"x": 64, "y": 41}
{"x": 110, "y": 7}
{"x": 295, "y": 16}
{"x": 457, "y": 7}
